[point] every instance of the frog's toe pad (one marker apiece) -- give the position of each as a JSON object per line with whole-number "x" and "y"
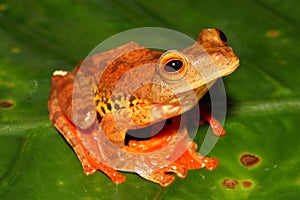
{"x": 114, "y": 175}
{"x": 182, "y": 173}
{"x": 88, "y": 169}
{"x": 117, "y": 178}
{"x": 180, "y": 170}
{"x": 210, "y": 163}
{"x": 166, "y": 180}
{"x": 160, "y": 178}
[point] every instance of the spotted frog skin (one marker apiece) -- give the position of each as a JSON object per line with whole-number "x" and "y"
{"x": 132, "y": 87}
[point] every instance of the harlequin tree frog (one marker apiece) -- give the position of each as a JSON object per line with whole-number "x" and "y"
{"x": 130, "y": 87}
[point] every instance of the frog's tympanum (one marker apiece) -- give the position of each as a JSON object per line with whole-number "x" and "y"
{"x": 132, "y": 87}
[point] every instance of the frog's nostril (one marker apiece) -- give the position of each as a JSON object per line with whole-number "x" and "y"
{"x": 173, "y": 65}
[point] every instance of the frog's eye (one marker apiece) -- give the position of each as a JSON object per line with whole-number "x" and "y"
{"x": 172, "y": 65}
{"x": 222, "y": 37}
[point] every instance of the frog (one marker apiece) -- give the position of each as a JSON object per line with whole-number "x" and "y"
{"x": 132, "y": 87}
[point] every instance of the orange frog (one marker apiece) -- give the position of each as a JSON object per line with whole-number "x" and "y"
{"x": 132, "y": 87}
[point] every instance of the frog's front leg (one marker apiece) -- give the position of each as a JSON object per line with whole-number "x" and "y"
{"x": 88, "y": 162}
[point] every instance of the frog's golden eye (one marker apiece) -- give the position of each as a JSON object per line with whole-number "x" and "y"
{"x": 172, "y": 65}
{"x": 221, "y": 35}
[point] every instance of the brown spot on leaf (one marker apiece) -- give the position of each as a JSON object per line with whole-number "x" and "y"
{"x": 10, "y": 84}
{"x": 6, "y": 104}
{"x": 247, "y": 184}
{"x": 249, "y": 160}
{"x": 230, "y": 183}
{"x": 273, "y": 34}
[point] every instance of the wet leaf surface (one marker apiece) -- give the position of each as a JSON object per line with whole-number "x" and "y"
{"x": 38, "y": 37}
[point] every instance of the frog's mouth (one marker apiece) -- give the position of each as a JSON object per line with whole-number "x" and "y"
{"x": 185, "y": 101}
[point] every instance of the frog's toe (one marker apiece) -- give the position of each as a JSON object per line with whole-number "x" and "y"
{"x": 163, "y": 177}
{"x": 88, "y": 169}
{"x": 160, "y": 178}
{"x": 180, "y": 170}
{"x": 166, "y": 180}
{"x": 115, "y": 176}
{"x": 210, "y": 163}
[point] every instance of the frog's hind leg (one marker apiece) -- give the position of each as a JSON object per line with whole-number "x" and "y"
{"x": 90, "y": 165}
{"x": 68, "y": 130}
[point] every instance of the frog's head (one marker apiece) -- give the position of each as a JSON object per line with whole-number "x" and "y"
{"x": 214, "y": 41}
{"x": 195, "y": 68}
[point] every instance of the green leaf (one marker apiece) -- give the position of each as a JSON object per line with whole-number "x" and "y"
{"x": 38, "y": 37}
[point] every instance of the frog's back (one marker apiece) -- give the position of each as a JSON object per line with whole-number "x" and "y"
{"x": 115, "y": 85}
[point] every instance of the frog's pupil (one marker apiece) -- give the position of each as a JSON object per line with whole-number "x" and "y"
{"x": 222, "y": 36}
{"x": 173, "y": 66}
